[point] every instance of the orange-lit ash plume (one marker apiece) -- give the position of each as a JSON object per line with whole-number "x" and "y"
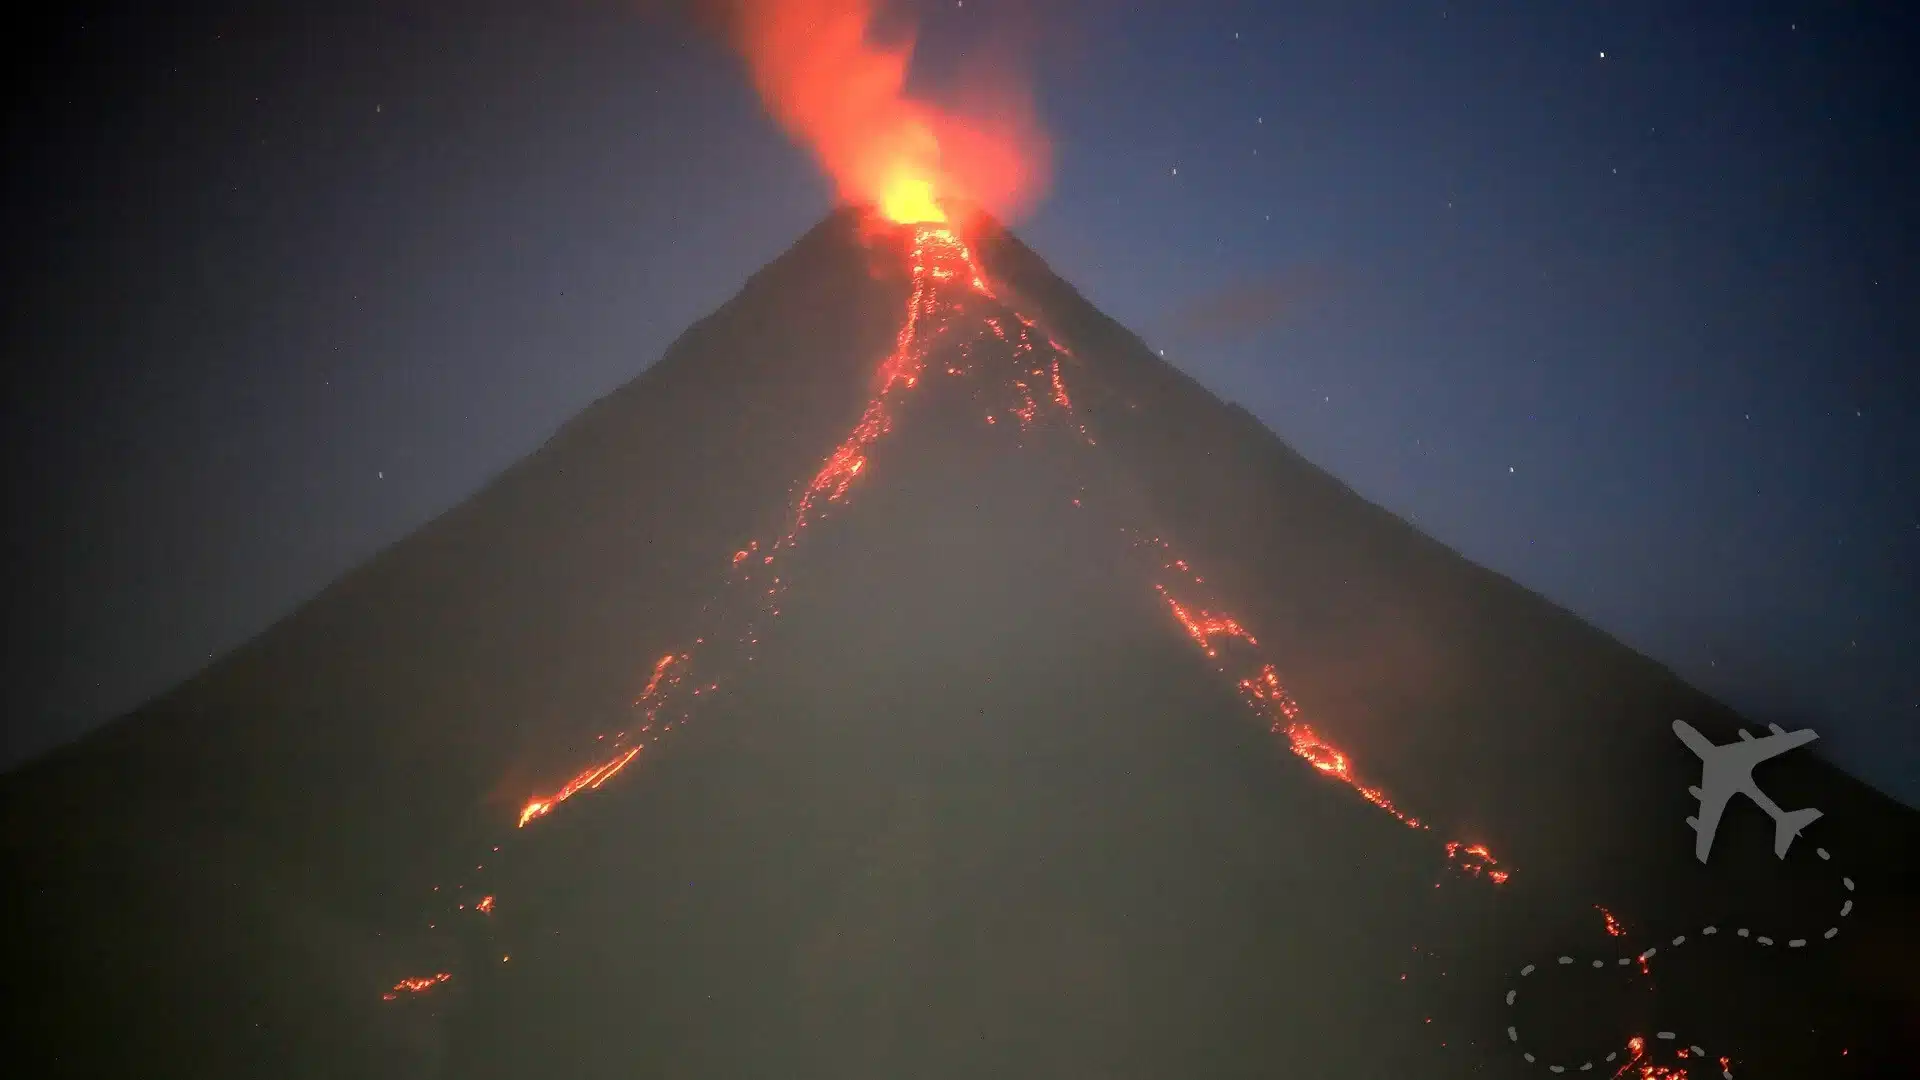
{"x": 843, "y": 95}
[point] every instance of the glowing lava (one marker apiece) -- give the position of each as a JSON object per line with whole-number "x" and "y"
{"x": 949, "y": 305}
{"x": 418, "y": 984}
{"x": 939, "y": 259}
{"x": 909, "y": 199}
{"x": 1259, "y": 684}
{"x": 1614, "y": 929}
{"x": 1639, "y": 1068}
{"x": 841, "y": 94}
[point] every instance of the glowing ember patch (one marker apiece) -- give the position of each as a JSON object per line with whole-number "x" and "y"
{"x": 1614, "y": 929}
{"x": 1639, "y": 1068}
{"x": 660, "y": 667}
{"x": 1204, "y": 626}
{"x": 485, "y": 906}
{"x": 1475, "y": 860}
{"x": 417, "y": 985}
{"x": 1060, "y": 397}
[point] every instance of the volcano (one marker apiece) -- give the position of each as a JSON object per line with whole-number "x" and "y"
{"x": 910, "y": 674}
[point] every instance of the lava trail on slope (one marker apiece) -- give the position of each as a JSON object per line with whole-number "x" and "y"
{"x": 961, "y": 340}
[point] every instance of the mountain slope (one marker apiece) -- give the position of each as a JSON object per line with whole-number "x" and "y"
{"x": 956, "y": 774}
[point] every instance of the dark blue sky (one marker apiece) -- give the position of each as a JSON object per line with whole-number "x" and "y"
{"x": 1636, "y": 329}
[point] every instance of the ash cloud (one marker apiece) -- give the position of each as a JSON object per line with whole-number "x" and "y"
{"x": 1248, "y": 308}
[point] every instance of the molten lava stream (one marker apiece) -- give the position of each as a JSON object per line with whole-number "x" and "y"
{"x": 415, "y": 985}
{"x": 939, "y": 260}
{"x": 1211, "y": 630}
{"x": 1259, "y": 684}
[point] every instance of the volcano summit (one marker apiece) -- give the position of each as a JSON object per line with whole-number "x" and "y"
{"x": 911, "y": 675}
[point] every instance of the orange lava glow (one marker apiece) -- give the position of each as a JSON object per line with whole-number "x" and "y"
{"x": 1639, "y": 1067}
{"x": 950, "y": 304}
{"x": 1474, "y": 860}
{"x": 418, "y": 984}
{"x": 1613, "y": 925}
{"x": 586, "y": 780}
{"x": 1204, "y": 626}
{"x": 939, "y": 259}
{"x": 938, "y": 256}
{"x": 837, "y": 91}
{"x": 1259, "y": 684}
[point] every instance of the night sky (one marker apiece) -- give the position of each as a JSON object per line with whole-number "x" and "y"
{"x": 1617, "y": 299}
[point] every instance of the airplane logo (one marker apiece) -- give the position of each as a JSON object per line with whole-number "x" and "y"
{"x": 1727, "y": 771}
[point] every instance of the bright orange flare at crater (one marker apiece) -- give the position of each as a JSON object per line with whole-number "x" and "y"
{"x": 909, "y": 199}
{"x": 843, "y": 96}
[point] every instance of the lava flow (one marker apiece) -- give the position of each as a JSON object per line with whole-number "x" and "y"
{"x": 418, "y": 984}
{"x": 1017, "y": 371}
{"x": 1638, "y": 1067}
{"x": 1259, "y": 683}
{"x": 939, "y": 260}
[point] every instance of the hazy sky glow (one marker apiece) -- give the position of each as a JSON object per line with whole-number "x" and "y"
{"x": 1635, "y": 329}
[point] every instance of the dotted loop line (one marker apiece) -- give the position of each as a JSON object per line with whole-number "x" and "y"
{"x": 1513, "y": 1034}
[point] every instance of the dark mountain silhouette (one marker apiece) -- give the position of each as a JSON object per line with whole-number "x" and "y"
{"x": 961, "y": 794}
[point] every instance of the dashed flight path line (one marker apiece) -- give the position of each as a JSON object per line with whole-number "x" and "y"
{"x": 1636, "y": 1046}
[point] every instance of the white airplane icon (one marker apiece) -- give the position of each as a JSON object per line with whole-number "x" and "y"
{"x": 1728, "y": 770}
